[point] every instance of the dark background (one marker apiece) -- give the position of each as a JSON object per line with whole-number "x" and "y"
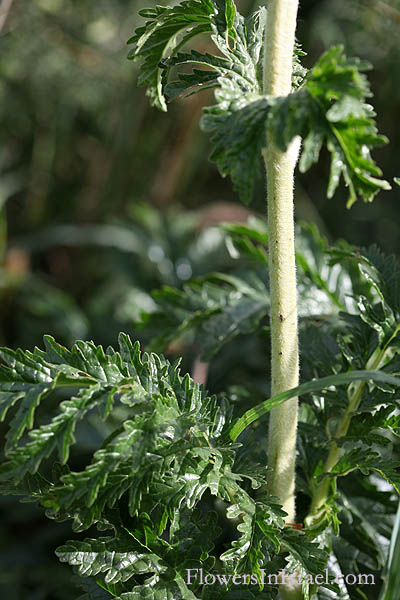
{"x": 104, "y": 199}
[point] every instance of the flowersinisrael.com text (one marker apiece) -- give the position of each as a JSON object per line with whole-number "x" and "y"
{"x": 200, "y": 578}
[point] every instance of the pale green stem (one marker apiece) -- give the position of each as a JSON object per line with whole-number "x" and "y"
{"x": 278, "y": 64}
{"x": 278, "y": 51}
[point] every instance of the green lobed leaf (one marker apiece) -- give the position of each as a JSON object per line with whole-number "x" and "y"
{"x": 192, "y": 535}
{"x": 239, "y": 134}
{"x": 260, "y": 525}
{"x": 368, "y": 461}
{"x": 58, "y": 435}
{"x": 331, "y": 108}
{"x": 364, "y": 423}
{"x": 117, "y": 558}
{"x": 304, "y": 554}
{"x": 168, "y": 586}
{"x": 158, "y": 39}
{"x": 171, "y": 451}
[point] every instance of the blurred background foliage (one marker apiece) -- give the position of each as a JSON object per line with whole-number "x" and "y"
{"x": 101, "y": 194}
{"x": 104, "y": 199}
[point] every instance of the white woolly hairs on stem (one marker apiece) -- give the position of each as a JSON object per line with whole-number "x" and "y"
{"x": 278, "y": 63}
{"x": 284, "y": 334}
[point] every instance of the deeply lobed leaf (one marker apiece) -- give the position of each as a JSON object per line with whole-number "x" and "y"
{"x": 331, "y": 108}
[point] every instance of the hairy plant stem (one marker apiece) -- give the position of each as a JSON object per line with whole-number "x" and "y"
{"x": 278, "y": 62}
{"x": 321, "y": 492}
